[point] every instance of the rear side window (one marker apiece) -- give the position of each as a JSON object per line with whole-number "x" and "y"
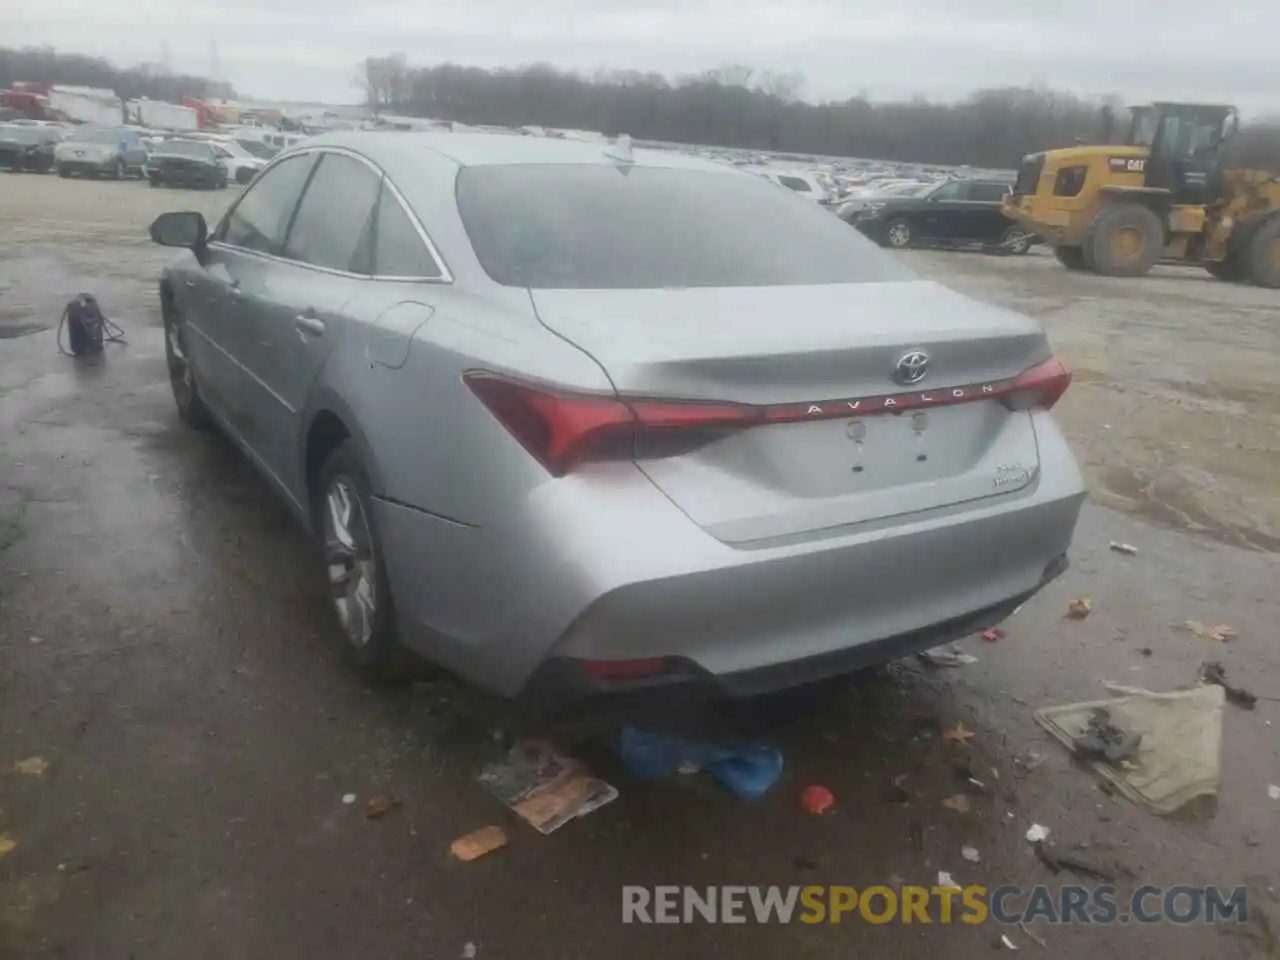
{"x": 259, "y": 221}
{"x": 987, "y": 191}
{"x": 334, "y": 225}
{"x": 589, "y": 226}
{"x": 399, "y": 250}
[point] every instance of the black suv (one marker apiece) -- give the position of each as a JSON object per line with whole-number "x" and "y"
{"x": 954, "y": 213}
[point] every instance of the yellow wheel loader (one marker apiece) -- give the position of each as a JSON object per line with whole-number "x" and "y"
{"x": 1165, "y": 194}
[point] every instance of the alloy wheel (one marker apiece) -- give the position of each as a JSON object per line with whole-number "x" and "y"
{"x": 349, "y": 555}
{"x": 899, "y": 235}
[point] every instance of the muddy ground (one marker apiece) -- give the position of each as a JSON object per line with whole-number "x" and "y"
{"x": 165, "y": 647}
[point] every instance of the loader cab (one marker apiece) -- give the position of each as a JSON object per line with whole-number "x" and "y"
{"x": 1186, "y": 142}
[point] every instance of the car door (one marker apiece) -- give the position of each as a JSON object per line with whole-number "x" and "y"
{"x": 327, "y": 261}
{"x": 944, "y": 213}
{"x": 235, "y": 283}
{"x": 986, "y": 221}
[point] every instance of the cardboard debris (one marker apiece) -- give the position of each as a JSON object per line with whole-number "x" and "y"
{"x": 545, "y": 788}
{"x": 477, "y": 843}
{"x": 1178, "y": 757}
{"x": 1079, "y": 608}
{"x": 1216, "y": 631}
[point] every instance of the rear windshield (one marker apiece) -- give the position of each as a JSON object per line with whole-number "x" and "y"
{"x": 577, "y": 226}
{"x": 98, "y": 135}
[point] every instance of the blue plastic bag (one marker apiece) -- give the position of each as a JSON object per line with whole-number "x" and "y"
{"x": 747, "y": 771}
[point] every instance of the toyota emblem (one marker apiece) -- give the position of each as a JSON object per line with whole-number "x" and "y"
{"x": 911, "y": 367}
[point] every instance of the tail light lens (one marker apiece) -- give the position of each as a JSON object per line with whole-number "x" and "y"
{"x": 562, "y": 429}
{"x": 1038, "y": 388}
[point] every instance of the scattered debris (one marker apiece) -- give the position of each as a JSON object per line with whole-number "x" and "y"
{"x": 992, "y": 634}
{"x": 747, "y": 770}
{"x": 7, "y": 844}
{"x": 377, "y": 807}
{"x": 1033, "y": 936}
{"x": 1273, "y": 791}
{"x": 1128, "y": 549}
{"x": 468, "y": 951}
{"x": 947, "y": 656}
{"x": 896, "y": 792}
{"x": 971, "y": 854}
{"x": 1217, "y": 631}
{"x": 1079, "y": 608}
{"x": 477, "y": 843}
{"x": 545, "y": 788}
{"x": 348, "y": 798}
{"x": 959, "y": 803}
{"x": 944, "y": 880}
{"x": 816, "y": 798}
{"x": 1102, "y": 739}
{"x": 1178, "y": 756}
{"x": 1213, "y": 672}
{"x": 32, "y": 766}
{"x": 36, "y": 640}
{"x": 1007, "y": 942}
{"x": 1036, "y": 833}
{"x": 958, "y": 734}
{"x": 1146, "y": 651}
{"x": 915, "y": 834}
{"x": 70, "y": 868}
{"x": 1031, "y": 761}
{"x": 1080, "y": 868}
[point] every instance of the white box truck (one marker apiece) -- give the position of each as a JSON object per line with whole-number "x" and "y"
{"x": 87, "y": 105}
{"x": 159, "y": 115}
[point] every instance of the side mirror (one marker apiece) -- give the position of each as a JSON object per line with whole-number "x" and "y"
{"x": 182, "y": 229}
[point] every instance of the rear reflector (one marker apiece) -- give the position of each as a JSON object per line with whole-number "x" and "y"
{"x": 561, "y": 429}
{"x": 623, "y": 669}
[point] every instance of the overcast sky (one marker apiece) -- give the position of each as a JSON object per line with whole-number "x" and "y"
{"x": 307, "y": 49}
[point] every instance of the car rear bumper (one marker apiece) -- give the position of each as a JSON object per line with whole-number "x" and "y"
{"x": 603, "y": 567}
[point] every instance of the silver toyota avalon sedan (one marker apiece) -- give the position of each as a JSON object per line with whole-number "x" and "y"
{"x": 573, "y": 420}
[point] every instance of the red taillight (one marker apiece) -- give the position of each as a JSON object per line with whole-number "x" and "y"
{"x": 561, "y": 429}
{"x": 1040, "y": 387}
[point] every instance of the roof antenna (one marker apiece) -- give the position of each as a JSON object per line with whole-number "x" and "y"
{"x": 620, "y": 149}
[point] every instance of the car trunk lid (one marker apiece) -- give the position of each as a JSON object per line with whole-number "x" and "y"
{"x": 839, "y": 441}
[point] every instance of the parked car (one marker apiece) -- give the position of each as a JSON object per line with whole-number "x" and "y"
{"x": 186, "y": 163}
{"x": 565, "y": 453}
{"x": 805, "y": 184}
{"x": 114, "y": 152}
{"x": 28, "y": 148}
{"x": 240, "y": 164}
{"x": 849, "y": 209}
{"x": 955, "y": 212}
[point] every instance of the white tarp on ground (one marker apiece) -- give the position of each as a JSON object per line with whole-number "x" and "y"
{"x": 1179, "y": 757}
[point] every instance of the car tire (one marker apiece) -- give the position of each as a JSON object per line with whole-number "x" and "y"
{"x": 117, "y": 169}
{"x": 1071, "y": 257}
{"x": 898, "y": 234}
{"x": 355, "y": 570}
{"x": 64, "y": 172}
{"x": 1124, "y": 241}
{"x": 191, "y": 407}
{"x": 155, "y": 181}
{"x": 1024, "y": 241}
{"x": 1263, "y": 254}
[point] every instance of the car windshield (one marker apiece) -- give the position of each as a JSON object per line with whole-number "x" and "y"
{"x": 185, "y": 148}
{"x": 23, "y": 134}
{"x": 580, "y": 226}
{"x": 257, "y": 148}
{"x": 233, "y": 148}
{"x": 97, "y": 135}
{"x": 907, "y": 190}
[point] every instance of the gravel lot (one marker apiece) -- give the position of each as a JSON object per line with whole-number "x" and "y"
{"x": 165, "y": 647}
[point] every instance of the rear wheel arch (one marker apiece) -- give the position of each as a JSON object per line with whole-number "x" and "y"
{"x": 330, "y": 423}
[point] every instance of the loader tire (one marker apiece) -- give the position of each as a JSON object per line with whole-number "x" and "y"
{"x": 1263, "y": 254}
{"x": 1071, "y": 257}
{"x": 1230, "y": 270}
{"x": 1124, "y": 241}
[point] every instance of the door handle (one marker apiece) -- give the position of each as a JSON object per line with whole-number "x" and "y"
{"x": 190, "y": 282}
{"x": 309, "y": 324}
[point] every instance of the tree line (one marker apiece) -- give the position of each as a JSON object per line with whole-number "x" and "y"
{"x": 151, "y": 80}
{"x": 737, "y": 106}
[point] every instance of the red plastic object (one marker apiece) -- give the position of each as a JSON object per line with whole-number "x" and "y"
{"x": 992, "y": 634}
{"x": 817, "y": 799}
